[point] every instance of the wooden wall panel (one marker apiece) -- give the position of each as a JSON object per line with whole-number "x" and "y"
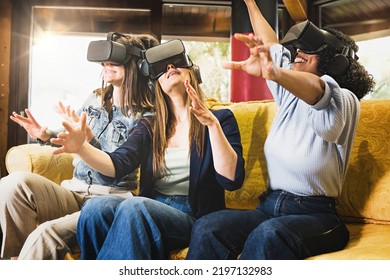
{"x": 5, "y": 37}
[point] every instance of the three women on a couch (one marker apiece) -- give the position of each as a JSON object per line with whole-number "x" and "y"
{"x": 38, "y": 217}
{"x": 185, "y": 167}
{"x": 307, "y": 149}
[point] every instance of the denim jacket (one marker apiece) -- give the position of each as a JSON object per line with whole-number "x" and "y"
{"x": 108, "y": 135}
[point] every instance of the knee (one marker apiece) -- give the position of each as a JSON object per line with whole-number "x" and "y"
{"x": 265, "y": 234}
{"x": 99, "y": 206}
{"x": 135, "y": 205}
{"x": 46, "y": 230}
{"x": 201, "y": 224}
{"x": 14, "y": 183}
{"x": 204, "y": 228}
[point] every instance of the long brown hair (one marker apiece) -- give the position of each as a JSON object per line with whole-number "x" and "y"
{"x": 164, "y": 125}
{"x": 136, "y": 96}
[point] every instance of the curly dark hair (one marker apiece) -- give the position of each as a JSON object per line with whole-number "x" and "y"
{"x": 356, "y": 78}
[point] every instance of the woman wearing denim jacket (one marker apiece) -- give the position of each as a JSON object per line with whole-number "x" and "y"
{"x": 188, "y": 155}
{"x": 28, "y": 200}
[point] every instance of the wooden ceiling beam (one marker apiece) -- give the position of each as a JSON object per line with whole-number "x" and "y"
{"x": 297, "y": 9}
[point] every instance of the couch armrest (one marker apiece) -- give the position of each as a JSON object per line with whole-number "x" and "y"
{"x": 40, "y": 160}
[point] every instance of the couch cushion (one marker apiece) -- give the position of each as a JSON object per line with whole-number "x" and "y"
{"x": 366, "y": 242}
{"x": 363, "y": 245}
{"x": 254, "y": 120}
{"x": 366, "y": 192}
{"x": 40, "y": 160}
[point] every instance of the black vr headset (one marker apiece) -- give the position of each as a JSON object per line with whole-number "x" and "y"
{"x": 110, "y": 50}
{"x": 155, "y": 60}
{"x": 310, "y": 39}
{"x": 152, "y": 62}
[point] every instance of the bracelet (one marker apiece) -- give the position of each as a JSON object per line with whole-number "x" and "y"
{"x": 41, "y": 142}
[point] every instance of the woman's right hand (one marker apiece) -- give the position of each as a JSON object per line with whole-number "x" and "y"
{"x": 72, "y": 140}
{"x": 259, "y": 63}
{"x": 33, "y": 128}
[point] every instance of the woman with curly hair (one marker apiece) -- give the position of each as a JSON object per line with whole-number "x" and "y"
{"x": 307, "y": 149}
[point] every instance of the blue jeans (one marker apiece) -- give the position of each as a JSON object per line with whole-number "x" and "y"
{"x": 284, "y": 226}
{"x": 137, "y": 228}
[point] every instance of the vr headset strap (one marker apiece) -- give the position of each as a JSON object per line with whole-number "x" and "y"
{"x": 131, "y": 50}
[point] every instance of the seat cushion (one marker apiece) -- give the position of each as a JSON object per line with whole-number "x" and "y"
{"x": 254, "y": 119}
{"x": 366, "y": 242}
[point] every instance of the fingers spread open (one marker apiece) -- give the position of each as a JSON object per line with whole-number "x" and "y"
{"x": 67, "y": 126}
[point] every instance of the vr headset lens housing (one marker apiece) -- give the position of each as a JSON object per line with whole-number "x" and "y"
{"x": 159, "y": 57}
{"x": 103, "y": 50}
{"x": 309, "y": 38}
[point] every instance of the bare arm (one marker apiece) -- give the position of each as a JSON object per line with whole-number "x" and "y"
{"x": 261, "y": 27}
{"x": 225, "y": 158}
{"x": 304, "y": 85}
{"x": 74, "y": 140}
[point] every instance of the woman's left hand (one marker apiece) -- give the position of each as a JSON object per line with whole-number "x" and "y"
{"x": 198, "y": 108}
{"x": 69, "y": 114}
{"x": 72, "y": 140}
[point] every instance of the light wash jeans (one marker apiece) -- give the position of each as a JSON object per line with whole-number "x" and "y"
{"x": 284, "y": 226}
{"x": 138, "y": 228}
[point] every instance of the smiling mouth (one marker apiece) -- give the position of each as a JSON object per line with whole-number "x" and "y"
{"x": 299, "y": 60}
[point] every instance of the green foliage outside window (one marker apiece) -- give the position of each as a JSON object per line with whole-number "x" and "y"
{"x": 209, "y": 57}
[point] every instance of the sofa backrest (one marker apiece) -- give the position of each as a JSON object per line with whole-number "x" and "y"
{"x": 366, "y": 192}
{"x": 254, "y": 120}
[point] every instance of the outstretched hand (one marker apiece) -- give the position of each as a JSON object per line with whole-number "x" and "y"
{"x": 66, "y": 112}
{"x": 71, "y": 141}
{"x": 198, "y": 108}
{"x": 69, "y": 114}
{"x": 259, "y": 63}
{"x": 33, "y": 128}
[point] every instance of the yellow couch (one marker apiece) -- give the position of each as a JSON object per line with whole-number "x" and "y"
{"x": 365, "y": 200}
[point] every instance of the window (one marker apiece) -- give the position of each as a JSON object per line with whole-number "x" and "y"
{"x": 374, "y": 55}
{"x": 60, "y": 72}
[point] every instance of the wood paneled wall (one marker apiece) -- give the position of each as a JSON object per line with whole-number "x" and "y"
{"x": 5, "y": 36}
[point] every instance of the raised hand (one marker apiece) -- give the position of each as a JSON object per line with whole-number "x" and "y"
{"x": 66, "y": 112}
{"x": 259, "y": 63}
{"x": 72, "y": 139}
{"x": 69, "y": 114}
{"x": 33, "y": 128}
{"x": 198, "y": 108}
